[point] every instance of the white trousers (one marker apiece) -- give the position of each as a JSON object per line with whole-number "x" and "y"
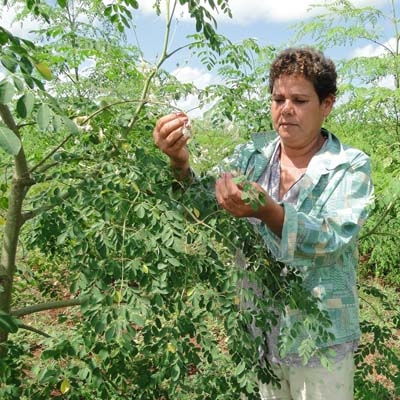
{"x": 303, "y": 383}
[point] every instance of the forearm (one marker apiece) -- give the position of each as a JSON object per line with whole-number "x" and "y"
{"x": 272, "y": 214}
{"x": 180, "y": 171}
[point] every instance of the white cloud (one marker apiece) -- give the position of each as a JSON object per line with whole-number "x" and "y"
{"x": 250, "y": 11}
{"x": 196, "y": 76}
{"x": 387, "y": 82}
{"x": 146, "y": 7}
{"x": 21, "y": 29}
{"x": 200, "y": 79}
{"x": 245, "y": 12}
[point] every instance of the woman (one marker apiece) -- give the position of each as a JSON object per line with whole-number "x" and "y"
{"x": 317, "y": 193}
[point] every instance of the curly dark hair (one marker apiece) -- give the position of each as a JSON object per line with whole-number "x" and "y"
{"x": 311, "y": 64}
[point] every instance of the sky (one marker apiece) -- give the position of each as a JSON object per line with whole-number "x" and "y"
{"x": 268, "y": 21}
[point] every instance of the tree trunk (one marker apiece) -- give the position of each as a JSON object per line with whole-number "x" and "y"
{"x": 19, "y": 187}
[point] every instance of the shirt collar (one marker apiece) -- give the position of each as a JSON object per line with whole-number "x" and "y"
{"x": 320, "y": 164}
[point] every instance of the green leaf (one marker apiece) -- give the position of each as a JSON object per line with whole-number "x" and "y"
{"x": 110, "y": 334}
{"x": 8, "y": 323}
{"x": 9, "y": 62}
{"x": 4, "y": 202}
{"x": 56, "y": 123}
{"x": 25, "y": 65}
{"x": 171, "y": 348}
{"x": 140, "y": 211}
{"x": 65, "y": 386}
{"x": 6, "y": 92}
{"x": 29, "y": 81}
{"x": 70, "y": 125}
{"x": 18, "y": 83}
{"x": 4, "y": 36}
{"x": 240, "y": 368}
{"x": 44, "y": 70}
{"x": 175, "y": 373}
{"x": 9, "y": 141}
{"x": 44, "y": 115}
{"x": 174, "y": 262}
{"x": 326, "y": 362}
{"x": 38, "y": 83}
{"x": 25, "y": 105}
{"x": 138, "y": 320}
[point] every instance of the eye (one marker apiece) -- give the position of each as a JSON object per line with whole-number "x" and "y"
{"x": 300, "y": 101}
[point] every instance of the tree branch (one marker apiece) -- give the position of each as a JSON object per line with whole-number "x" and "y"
{"x": 48, "y": 306}
{"x": 181, "y": 48}
{"x": 51, "y": 153}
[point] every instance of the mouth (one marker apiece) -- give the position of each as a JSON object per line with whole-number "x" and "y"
{"x": 285, "y": 124}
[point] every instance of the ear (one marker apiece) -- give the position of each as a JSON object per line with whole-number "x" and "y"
{"x": 327, "y": 104}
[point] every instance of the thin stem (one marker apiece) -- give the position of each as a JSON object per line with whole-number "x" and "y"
{"x": 164, "y": 56}
{"x": 380, "y": 221}
{"x": 34, "y": 330}
{"x": 397, "y": 38}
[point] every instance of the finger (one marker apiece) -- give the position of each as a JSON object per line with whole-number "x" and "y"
{"x": 220, "y": 190}
{"x": 168, "y": 135}
{"x": 231, "y": 188}
{"x": 226, "y": 192}
{"x": 171, "y": 124}
{"x": 167, "y": 118}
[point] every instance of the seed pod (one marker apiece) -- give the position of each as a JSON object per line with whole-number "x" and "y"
{"x": 186, "y": 130}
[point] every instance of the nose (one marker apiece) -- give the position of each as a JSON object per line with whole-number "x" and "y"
{"x": 287, "y": 107}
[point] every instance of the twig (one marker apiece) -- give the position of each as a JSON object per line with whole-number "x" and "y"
{"x": 381, "y": 219}
{"x": 32, "y": 329}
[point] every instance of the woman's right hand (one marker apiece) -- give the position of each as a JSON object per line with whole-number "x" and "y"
{"x": 169, "y": 138}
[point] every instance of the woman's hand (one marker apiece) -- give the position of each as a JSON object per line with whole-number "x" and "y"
{"x": 237, "y": 199}
{"x": 256, "y": 204}
{"x": 169, "y": 138}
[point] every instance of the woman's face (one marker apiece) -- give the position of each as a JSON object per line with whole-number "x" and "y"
{"x": 297, "y": 113}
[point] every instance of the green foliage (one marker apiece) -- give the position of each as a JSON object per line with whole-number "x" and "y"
{"x": 8, "y": 322}
{"x": 340, "y": 23}
{"x": 380, "y": 237}
{"x": 12, "y": 369}
{"x": 156, "y": 267}
{"x": 250, "y": 195}
{"x": 9, "y": 141}
{"x": 138, "y": 278}
{"x": 243, "y": 98}
{"x": 205, "y": 21}
{"x": 377, "y": 358}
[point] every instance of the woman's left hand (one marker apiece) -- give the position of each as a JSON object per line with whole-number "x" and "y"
{"x": 229, "y": 196}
